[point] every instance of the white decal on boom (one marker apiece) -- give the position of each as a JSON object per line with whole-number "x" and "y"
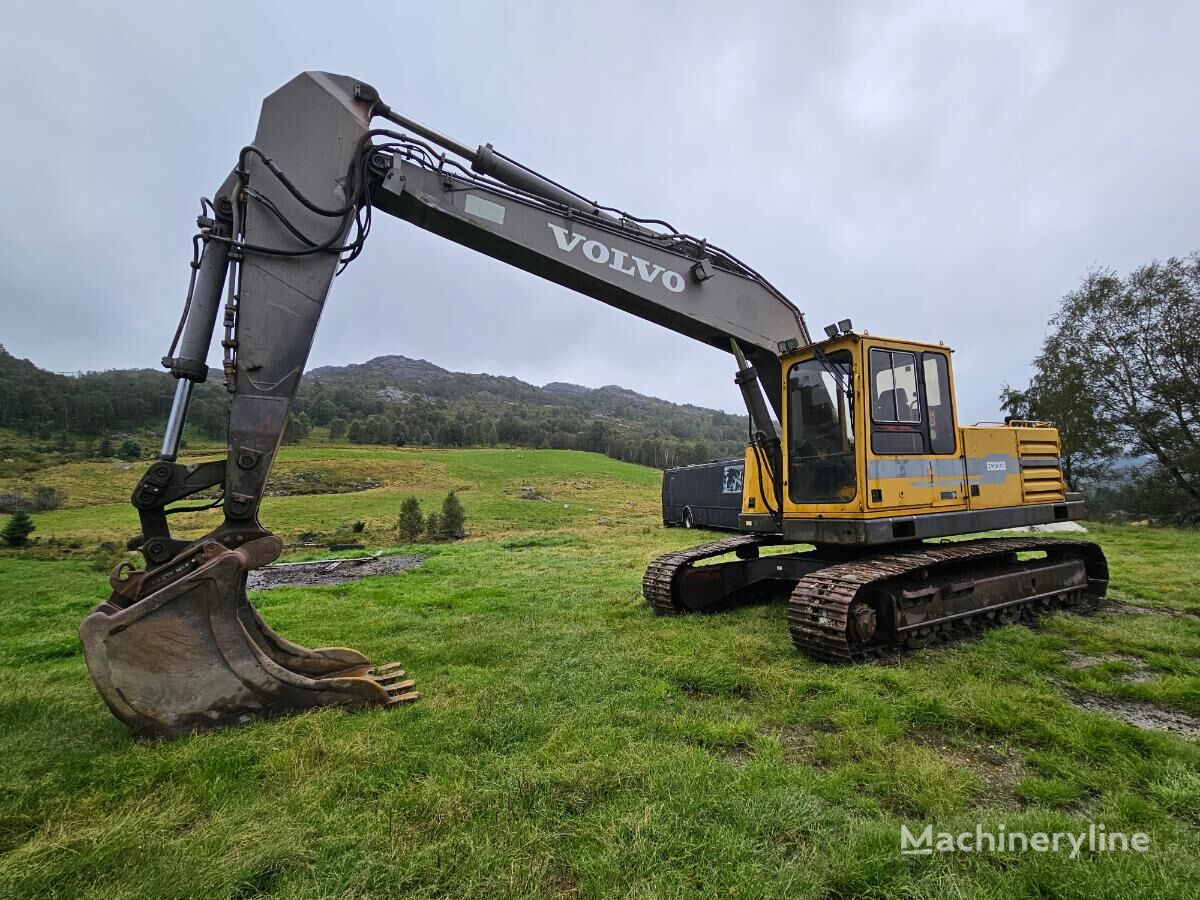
{"x": 560, "y": 236}
{"x": 618, "y": 260}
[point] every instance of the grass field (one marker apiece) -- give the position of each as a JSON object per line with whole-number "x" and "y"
{"x": 571, "y": 743}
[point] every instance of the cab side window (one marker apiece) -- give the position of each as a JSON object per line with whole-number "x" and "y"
{"x": 895, "y": 403}
{"x": 937, "y": 403}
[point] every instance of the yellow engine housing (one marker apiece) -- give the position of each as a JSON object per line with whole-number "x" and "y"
{"x": 897, "y": 480}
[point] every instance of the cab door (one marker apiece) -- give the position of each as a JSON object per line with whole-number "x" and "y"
{"x": 915, "y": 463}
{"x": 946, "y": 467}
{"x": 899, "y": 472}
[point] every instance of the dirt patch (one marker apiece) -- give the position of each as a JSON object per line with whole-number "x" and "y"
{"x": 1140, "y": 675}
{"x": 329, "y": 571}
{"x": 998, "y": 769}
{"x": 799, "y": 742}
{"x": 290, "y": 484}
{"x": 1138, "y": 714}
{"x": 738, "y": 755}
{"x": 1120, "y": 606}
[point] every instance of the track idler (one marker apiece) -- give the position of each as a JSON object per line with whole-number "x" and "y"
{"x": 181, "y": 648}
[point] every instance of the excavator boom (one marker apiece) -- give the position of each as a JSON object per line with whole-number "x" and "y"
{"x": 179, "y": 646}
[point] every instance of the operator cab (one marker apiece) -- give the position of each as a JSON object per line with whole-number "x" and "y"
{"x": 863, "y": 410}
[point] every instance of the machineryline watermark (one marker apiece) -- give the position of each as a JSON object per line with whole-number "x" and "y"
{"x": 1097, "y": 839}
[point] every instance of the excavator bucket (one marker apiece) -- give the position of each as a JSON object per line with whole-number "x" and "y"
{"x": 172, "y": 654}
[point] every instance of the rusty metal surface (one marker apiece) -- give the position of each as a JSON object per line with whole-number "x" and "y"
{"x": 822, "y": 611}
{"x": 181, "y": 648}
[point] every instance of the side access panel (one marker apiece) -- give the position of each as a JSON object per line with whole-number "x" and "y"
{"x": 993, "y": 467}
{"x": 900, "y": 482}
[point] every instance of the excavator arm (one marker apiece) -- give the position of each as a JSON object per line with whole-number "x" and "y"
{"x": 178, "y": 646}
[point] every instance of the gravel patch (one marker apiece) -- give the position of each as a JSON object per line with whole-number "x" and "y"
{"x": 328, "y": 571}
{"x": 1110, "y": 604}
{"x": 1139, "y": 715}
{"x": 1140, "y": 675}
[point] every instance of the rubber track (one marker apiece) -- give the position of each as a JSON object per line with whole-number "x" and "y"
{"x": 659, "y": 580}
{"x": 820, "y": 603}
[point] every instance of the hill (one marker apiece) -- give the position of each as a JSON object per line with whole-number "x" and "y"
{"x": 397, "y": 400}
{"x": 385, "y": 400}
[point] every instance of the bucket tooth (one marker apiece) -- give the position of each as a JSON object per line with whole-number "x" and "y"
{"x": 386, "y": 669}
{"x": 399, "y": 686}
{"x": 194, "y": 653}
{"x": 387, "y": 679}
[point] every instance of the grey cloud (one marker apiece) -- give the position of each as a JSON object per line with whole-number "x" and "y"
{"x": 938, "y": 171}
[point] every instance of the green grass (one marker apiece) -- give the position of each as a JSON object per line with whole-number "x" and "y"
{"x": 569, "y": 742}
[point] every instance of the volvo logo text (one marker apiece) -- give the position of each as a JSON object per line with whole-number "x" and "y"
{"x": 626, "y": 264}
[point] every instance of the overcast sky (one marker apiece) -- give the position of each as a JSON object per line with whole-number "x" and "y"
{"x": 937, "y": 171}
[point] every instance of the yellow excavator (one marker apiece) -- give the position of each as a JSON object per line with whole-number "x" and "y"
{"x": 870, "y": 465}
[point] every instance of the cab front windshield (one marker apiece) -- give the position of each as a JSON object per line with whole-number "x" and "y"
{"x": 821, "y": 430}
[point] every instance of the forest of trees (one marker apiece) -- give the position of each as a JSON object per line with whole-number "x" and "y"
{"x": 388, "y": 401}
{"x": 611, "y": 421}
{"x": 46, "y": 405}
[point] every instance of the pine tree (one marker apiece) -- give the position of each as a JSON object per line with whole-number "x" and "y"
{"x": 433, "y": 527}
{"x": 17, "y": 531}
{"x": 411, "y": 523}
{"x": 454, "y": 517}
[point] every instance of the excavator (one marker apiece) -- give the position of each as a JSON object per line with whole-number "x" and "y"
{"x": 867, "y": 467}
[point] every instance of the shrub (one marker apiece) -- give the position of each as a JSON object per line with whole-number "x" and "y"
{"x": 454, "y": 517}
{"x": 130, "y": 450}
{"x": 433, "y": 527}
{"x": 411, "y": 523}
{"x": 18, "y": 529}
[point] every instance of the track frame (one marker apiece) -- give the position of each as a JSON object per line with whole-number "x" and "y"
{"x": 849, "y": 608}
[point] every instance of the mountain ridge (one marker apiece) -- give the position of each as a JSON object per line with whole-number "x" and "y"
{"x": 389, "y": 399}
{"x": 406, "y": 368}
